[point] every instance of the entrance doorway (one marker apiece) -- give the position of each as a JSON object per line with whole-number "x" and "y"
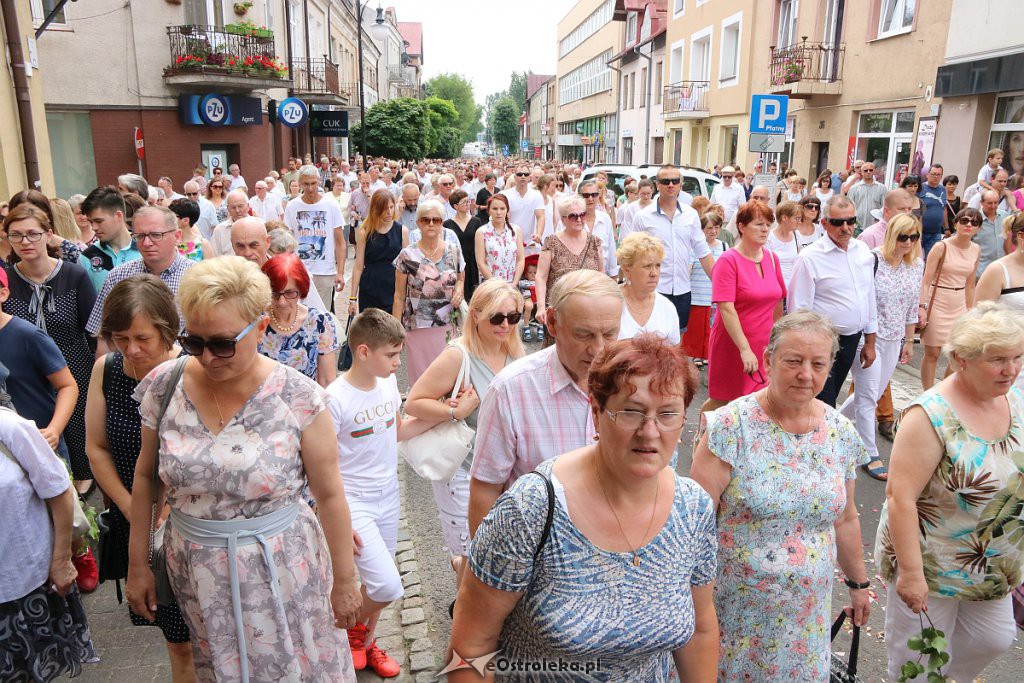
{"x": 821, "y": 160}
{"x": 884, "y": 138}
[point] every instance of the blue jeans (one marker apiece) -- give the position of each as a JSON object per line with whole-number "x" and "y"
{"x": 929, "y": 240}
{"x": 682, "y": 304}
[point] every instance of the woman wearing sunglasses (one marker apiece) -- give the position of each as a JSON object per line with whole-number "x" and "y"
{"x": 218, "y": 196}
{"x": 811, "y": 229}
{"x": 489, "y": 342}
{"x": 240, "y": 437}
{"x": 897, "y": 292}
{"x": 947, "y": 288}
{"x": 1003, "y": 279}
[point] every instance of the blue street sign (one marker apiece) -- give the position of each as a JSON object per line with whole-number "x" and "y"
{"x": 768, "y": 114}
{"x": 504, "y": 150}
{"x": 524, "y": 144}
{"x": 293, "y": 112}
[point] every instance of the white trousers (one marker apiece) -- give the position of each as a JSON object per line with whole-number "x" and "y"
{"x": 978, "y": 632}
{"x": 375, "y": 518}
{"x": 452, "y": 499}
{"x": 868, "y": 386}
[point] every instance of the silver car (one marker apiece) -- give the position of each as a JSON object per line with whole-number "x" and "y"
{"x": 695, "y": 181}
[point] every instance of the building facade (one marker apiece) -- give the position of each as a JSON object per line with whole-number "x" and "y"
{"x": 641, "y": 64}
{"x": 981, "y": 83}
{"x": 587, "y": 126}
{"x": 536, "y": 124}
{"x": 860, "y": 77}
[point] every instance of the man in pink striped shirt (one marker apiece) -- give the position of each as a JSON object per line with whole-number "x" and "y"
{"x": 896, "y": 202}
{"x": 538, "y": 407}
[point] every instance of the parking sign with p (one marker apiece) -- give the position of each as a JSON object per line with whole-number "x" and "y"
{"x": 768, "y": 114}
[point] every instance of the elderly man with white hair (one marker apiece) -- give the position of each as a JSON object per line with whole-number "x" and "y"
{"x": 729, "y": 193}
{"x": 251, "y": 241}
{"x": 265, "y": 205}
{"x": 319, "y": 226}
{"x": 759, "y": 193}
{"x": 445, "y": 187}
{"x": 238, "y": 208}
{"x": 207, "y": 211}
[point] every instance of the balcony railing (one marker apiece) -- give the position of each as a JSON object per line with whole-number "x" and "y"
{"x": 807, "y": 62}
{"x": 398, "y": 73}
{"x": 214, "y": 50}
{"x": 349, "y": 90}
{"x": 315, "y": 76}
{"x": 686, "y": 97}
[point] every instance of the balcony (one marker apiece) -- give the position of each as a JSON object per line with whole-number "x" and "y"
{"x": 316, "y": 81}
{"x": 228, "y": 59}
{"x": 807, "y": 70}
{"x": 398, "y": 73}
{"x": 686, "y": 100}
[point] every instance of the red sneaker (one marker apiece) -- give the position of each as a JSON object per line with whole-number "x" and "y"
{"x": 357, "y": 643}
{"x": 88, "y": 572}
{"x": 381, "y": 662}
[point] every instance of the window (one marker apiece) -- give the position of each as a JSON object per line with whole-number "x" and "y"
{"x": 585, "y": 80}
{"x": 71, "y": 146}
{"x": 625, "y": 92}
{"x": 42, "y": 8}
{"x": 268, "y": 13}
{"x": 657, "y": 83}
{"x": 675, "y": 63}
{"x": 787, "y": 22}
{"x": 729, "y": 64}
{"x": 627, "y": 151}
{"x": 588, "y": 27}
{"x": 883, "y": 138}
{"x": 730, "y": 139}
{"x": 895, "y": 17}
{"x": 678, "y": 7}
{"x": 631, "y": 28}
{"x": 700, "y": 56}
{"x": 1008, "y": 132}
{"x": 632, "y": 90}
{"x": 643, "y": 87}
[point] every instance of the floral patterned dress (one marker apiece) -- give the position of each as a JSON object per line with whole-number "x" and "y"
{"x": 972, "y": 534}
{"x": 429, "y": 287}
{"x": 776, "y": 541}
{"x": 191, "y": 250}
{"x": 301, "y": 348}
{"x": 500, "y": 251}
{"x": 251, "y": 468}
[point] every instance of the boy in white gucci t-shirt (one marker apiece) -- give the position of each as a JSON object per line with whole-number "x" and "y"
{"x": 366, "y": 408}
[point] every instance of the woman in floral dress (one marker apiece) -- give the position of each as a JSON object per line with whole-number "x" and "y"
{"x": 239, "y": 440}
{"x": 499, "y": 244}
{"x": 781, "y": 467}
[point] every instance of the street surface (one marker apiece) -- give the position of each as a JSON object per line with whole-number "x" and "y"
{"x": 132, "y": 655}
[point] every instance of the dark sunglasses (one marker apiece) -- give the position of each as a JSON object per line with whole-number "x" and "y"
{"x": 512, "y": 318}
{"x": 969, "y": 221}
{"x": 574, "y": 216}
{"x": 430, "y": 220}
{"x": 816, "y": 207}
{"x": 590, "y": 195}
{"x": 221, "y": 348}
{"x": 522, "y": 175}
{"x": 839, "y": 222}
{"x": 191, "y": 194}
{"x": 908, "y": 238}
{"x": 669, "y": 181}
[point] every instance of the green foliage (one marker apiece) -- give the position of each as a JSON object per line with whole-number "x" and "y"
{"x": 442, "y": 115}
{"x": 932, "y": 644}
{"x": 449, "y": 144}
{"x": 459, "y": 91}
{"x": 505, "y": 123}
{"x": 517, "y": 89}
{"x": 397, "y": 129}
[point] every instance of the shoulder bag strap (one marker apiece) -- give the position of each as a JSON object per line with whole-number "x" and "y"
{"x": 108, "y": 373}
{"x": 935, "y": 278}
{"x": 462, "y": 378}
{"x": 165, "y": 400}
{"x": 550, "y": 514}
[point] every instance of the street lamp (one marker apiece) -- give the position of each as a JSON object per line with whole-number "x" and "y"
{"x": 379, "y": 31}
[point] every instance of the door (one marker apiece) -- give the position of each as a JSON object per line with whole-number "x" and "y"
{"x": 659, "y": 151}
{"x": 215, "y": 158}
{"x": 821, "y": 155}
{"x": 832, "y": 38}
{"x": 627, "y": 151}
{"x": 216, "y": 14}
{"x": 677, "y": 148}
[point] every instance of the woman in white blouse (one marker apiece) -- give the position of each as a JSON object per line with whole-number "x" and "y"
{"x": 640, "y": 256}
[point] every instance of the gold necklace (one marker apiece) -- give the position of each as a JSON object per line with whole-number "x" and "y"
{"x": 778, "y": 422}
{"x": 282, "y": 328}
{"x": 436, "y": 249}
{"x": 220, "y": 415}
{"x": 636, "y": 557}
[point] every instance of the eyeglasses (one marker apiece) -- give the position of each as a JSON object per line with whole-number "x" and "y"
{"x": 430, "y": 220}
{"x": 669, "y": 181}
{"x": 18, "y": 237}
{"x": 913, "y": 237}
{"x": 512, "y": 318}
{"x": 590, "y": 195}
{"x": 154, "y": 237}
{"x": 633, "y": 420}
{"x": 727, "y": 177}
{"x": 216, "y": 187}
{"x": 196, "y": 194}
{"x": 221, "y": 348}
{"x": 839, "y": 222}
{"x": 969, "y": 221}
{"x": 289, "y": 294}
{"x": 758, "y": 376}
{"x": 522, "y": 175}
{"x": 446, "y": 184}
{"x": 574, "y": 216}
{"x": 813, "y": 207}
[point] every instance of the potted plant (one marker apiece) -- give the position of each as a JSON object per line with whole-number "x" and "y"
{"x": 242, "y": 7}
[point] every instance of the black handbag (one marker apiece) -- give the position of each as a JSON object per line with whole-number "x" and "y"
{"x": 157, "y": 550}
{"x": 845, "y": 672}
{"x": 345, "y": 357}
{"x": 111, "y": 554}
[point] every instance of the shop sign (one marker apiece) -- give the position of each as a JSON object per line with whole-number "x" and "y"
{"x": 329, "y": 124}
{"x": 219, "y": 110}
{"x": 292, "y": 112}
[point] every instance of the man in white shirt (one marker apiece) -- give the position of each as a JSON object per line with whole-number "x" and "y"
{"x": 265, "y": 205}
{"x": 445, "y": 187}
{"x": 729, "y": 193}
{"x": 237, "y": 181}
{"x": 835, "y": 277}
{"x": 526, "y": 208}
{"x": 600, "y": 225}
{"x": 347, "y": 175}
{"x": 645, "y": 197}
{"x": 167, "y": 185}
{"x": 318, "y": 225}
{"x": 238, "y": 208}
{"x": 275, "y": 187}
{"x": 678, "y": 227}
{"x": 867, "y": 196}
{"x": 207, "y": 212}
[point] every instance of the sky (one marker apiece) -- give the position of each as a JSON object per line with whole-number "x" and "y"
{"x": 485, "y": 40}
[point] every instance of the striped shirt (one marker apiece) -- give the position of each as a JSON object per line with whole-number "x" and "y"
{"x": 533, "y": 411}
{"x": 171, "y": 276}
{"x": 700, "y": 283}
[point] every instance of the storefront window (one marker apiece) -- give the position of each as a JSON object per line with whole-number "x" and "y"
{"x": 1008, "y": 132}
{"x": 74, "y": 164}
{"x": 884, "y": 139}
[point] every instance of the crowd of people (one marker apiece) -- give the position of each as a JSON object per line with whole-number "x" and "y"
{"x": 185, "y": 354}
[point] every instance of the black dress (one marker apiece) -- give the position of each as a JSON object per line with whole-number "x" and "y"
{"x": 377, "y": 283}
{"x": 481, "y": 200}
{"x": 124, "y": 439}
{"x": 61, "y": 307}
{"x": 467, "y": 239}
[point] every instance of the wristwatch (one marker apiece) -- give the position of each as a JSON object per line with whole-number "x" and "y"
{"x": 857, "y": 586}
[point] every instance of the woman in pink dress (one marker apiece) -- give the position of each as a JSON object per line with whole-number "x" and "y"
{"x": 748, "y": 287}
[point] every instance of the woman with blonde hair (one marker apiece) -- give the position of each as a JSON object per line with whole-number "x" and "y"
{"x": 640, "y": 256}
{"x": 488, "y": 343}
{"x": 897, "y": 290}
{"x": 64, "y": 221}
{"x": 378, "y": 241}
{"x": 235, "y": 437}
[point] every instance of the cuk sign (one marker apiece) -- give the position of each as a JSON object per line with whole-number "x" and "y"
{"x": 329, "y": 124}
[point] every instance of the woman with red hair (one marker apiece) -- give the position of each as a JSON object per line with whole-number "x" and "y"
{"x": 299, "y": 337}
{"x": 748, "y": 287}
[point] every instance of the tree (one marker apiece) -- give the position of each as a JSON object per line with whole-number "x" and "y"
{"x": 443, "y": 117}
{"x": 505, "y": 122}
{"x": 449, "y": 144}
{"x": 398, "y": 129}
{"x": 517, "y": 89}
{"x": 459, "y": 91}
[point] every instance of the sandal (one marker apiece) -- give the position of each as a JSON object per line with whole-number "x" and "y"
{"x": 879, "y": 472}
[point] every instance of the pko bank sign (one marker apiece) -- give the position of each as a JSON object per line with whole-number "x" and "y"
{"x": 219, "y": 110}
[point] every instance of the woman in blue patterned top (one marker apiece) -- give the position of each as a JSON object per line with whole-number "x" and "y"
{"x": 621, "y": 586}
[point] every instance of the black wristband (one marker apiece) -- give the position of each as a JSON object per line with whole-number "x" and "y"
{"x": 857, "y": 586}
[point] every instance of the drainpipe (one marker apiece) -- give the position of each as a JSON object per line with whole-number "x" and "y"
{"x": 21, "y": 91}
{"x": 289, "y": 49}
{"x": 647, "y": 102}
